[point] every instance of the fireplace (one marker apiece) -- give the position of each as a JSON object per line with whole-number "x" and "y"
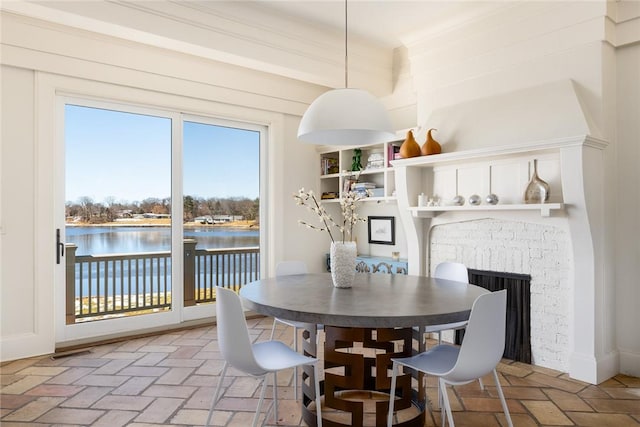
{"x": 537, "y": 252}
{"x": 489, "y": 146}
{"x": 518, "y": 318}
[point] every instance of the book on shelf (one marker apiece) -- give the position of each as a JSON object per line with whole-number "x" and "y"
{"x": 347, "y": 184}
{"x": 329, "y": 195}
{"x": 393, "y": 153}
{"x": 364, "y": 185}
{"x": 329, "y": 165}
{"x": 370, "y": 192}
{"x": 377, "y": 192}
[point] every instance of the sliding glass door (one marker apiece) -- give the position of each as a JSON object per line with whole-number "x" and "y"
{"x": 159, "y": 209}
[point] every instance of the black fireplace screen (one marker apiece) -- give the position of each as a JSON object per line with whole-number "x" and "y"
{"x": 518, "y": 330}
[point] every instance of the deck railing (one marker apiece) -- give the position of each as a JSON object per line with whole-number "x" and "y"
{"x": 98, "y": 286}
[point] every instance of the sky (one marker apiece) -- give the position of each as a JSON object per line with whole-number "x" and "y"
{"x": 127, "y": 157}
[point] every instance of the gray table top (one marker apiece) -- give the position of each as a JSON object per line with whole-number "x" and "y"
{"x": 374, "y": 301}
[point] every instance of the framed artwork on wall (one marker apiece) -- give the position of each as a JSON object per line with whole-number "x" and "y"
{"x": 382, "y": 230}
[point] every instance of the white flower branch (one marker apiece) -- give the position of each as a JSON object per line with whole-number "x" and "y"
{"x": 348, "y": 205}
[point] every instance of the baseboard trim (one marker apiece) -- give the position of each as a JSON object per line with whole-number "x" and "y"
{"x": 86, "y": 343}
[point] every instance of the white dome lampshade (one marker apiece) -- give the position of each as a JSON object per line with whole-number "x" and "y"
{"x": 346, "y": 117}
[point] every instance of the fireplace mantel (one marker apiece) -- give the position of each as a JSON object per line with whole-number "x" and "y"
{"x": 487, "y": 156}
{"x": 575, "y": 167}
{"x": 497, "y": 152}
{"x": 545, "y": 209}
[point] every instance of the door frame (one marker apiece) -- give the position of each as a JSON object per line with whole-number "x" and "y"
{"x": 56, "y": 92}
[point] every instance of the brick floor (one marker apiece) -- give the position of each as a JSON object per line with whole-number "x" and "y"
{"x": 169, "y": 379}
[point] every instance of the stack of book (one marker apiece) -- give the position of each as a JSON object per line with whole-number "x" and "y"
{"x": 329, "y": 195}
{"x": 375, "y": 160}
{"x": 362, "y": 187}
{"x": 393, "y": 153}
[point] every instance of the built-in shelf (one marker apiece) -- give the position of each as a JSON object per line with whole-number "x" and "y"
{"x": 496, "y": 153}
{"x": 336, "y": 174}
{"x": 432, "y": 211}
{"x": 368, "y": 199}
{"x": 330, "y": 175}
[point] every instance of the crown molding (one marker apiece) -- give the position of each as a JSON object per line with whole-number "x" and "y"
{"x": 234, "y": 33}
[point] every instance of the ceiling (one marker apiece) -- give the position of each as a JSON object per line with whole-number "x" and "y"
{"x": 292, "y": 38}
{"x": 385, "y": 23}
{"x": 390, "y": 23}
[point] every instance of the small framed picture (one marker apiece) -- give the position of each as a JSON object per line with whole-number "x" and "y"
{"x": 382, "y": 230}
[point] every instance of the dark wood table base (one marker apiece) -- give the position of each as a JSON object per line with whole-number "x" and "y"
{"x": 357, "y": 364}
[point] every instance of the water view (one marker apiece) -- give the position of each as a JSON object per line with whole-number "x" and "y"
{"x": 127, "y": 240}
{"x": 118, "y": 207}
{"x": 128, "y": 268}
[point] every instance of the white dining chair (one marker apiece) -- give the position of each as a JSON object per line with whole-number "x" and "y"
{"x": 479, "y": 354}
{"x": 449, "y": 271}
{"x": 259, "y": 359}
{"x": 289, "y": 268}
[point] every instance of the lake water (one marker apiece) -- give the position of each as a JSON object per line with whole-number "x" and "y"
{"x": 129, "y": 240}
{"x": 125, "y": 240}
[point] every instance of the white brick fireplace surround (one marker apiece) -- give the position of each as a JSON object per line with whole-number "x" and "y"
{"x": 561, "y": 244}
{"x": 542, "y": 251}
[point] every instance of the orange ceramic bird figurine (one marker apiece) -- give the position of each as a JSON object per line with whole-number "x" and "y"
{"x": 409, "y": 148}
{"x": 431, "y": 146}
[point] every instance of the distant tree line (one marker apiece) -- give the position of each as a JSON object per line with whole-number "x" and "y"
{"x": 89, "y": 211}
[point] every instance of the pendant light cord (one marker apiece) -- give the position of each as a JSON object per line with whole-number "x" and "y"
{"x": 346, "y": 48}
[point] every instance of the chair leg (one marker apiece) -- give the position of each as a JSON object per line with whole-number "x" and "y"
{"x": 216, "y": 395}
{"x": 273, "y": 328}
{"x": 275, "y": 397}
{"x": 505, "y": 408}
{"x": 316, "y": 378}
{"x": 295, "y": 368}
{"x": 481, "y": 384}
{"x": 443, "y": 410}
{"x": 264, "y": 386}
{"x": 445, "y": 399}
{"x": 392, "y": 394}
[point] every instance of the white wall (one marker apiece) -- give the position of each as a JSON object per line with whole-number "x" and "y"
{"x": 302, "y": 170}
{"x": 18, "y": 293}
{"x": 627, "y": 232}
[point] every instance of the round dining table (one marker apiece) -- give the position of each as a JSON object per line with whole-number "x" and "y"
{"x": 378, "y": 318}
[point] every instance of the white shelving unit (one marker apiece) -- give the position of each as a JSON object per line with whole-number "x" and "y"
{"x": 336, "y": 170}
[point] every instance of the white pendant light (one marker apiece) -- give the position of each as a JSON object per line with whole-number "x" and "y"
{"x": 346, "y": 116}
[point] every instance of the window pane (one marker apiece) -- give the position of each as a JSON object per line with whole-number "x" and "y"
{"x": 221, "y": 204}
{"x": 118, "y": 209}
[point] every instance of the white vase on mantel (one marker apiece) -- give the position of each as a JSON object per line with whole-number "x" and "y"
{"x": 343, "y": 263}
